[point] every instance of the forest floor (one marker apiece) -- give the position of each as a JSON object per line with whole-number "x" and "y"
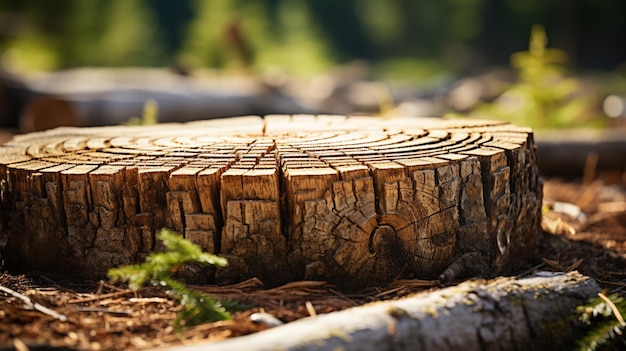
{"x": 584, "y": 230}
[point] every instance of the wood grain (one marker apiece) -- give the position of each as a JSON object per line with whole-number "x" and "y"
{"x": 352, "y": 200}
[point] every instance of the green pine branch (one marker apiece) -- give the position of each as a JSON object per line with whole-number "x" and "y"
{"x": 158, "y": 268}
{"x": 544, "y": 95}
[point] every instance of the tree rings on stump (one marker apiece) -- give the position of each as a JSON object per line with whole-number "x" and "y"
{"x": 350, "y": 200}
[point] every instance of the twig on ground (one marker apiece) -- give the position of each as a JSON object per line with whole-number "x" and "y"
{"x": 343, "y": 297}
{"x": 34, "y": 305}
{"x": 238, "y": 288}
{"x": 616, "y": 312}
{"x": 528, "y": 272}
{"x": 621, "y": 274}
{"x": 103, "y": 296}
{"x": 103, "y": 310}
{"x": 553, "y": 264}
{"x": 575, "y": 265}
{"x": 606, "y": 282}
{"x": 310, "y": 309}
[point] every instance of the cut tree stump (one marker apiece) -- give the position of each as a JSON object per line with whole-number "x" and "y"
{"x": 350, "y": 200}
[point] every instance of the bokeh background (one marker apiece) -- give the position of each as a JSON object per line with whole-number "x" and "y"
{"x": 416, "y": 37}
{"x": 433, "y": 57}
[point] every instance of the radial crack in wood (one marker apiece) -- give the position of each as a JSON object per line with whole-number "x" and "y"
{"x": 351, "y": 200}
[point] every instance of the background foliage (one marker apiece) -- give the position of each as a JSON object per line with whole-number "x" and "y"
{"x": 305, "y": 36}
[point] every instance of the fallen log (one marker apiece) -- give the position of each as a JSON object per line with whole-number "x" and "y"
{"x": 533, "y": 313}
{"x": 568, "y": 153}
{"x": 89, "y": 97}
{"x": 351, "y": 200}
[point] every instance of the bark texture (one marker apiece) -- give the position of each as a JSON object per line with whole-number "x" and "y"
{"x": 351, "y": 200}
{"x": 505, "y": 314}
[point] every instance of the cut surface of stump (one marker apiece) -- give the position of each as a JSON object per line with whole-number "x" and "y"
{"x": 350, "y": 200}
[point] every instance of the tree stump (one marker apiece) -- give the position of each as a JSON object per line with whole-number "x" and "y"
{"x": 350, "y": 200}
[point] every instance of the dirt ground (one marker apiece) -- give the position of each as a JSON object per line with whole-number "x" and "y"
{"x": 584, "y": 230}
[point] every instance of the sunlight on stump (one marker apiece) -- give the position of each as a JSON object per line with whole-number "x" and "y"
{"x": 350, "y": 200}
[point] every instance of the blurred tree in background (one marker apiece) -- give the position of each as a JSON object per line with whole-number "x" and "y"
{"x": 39, "y": 34}
{"x": 305, "y": 36}
{"x": 248, "y": 33}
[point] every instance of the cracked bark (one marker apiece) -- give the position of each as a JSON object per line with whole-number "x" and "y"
{"x": 351, "y": 200}
{"x": 533, "y": 313}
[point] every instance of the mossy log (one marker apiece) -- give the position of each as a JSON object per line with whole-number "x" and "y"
{"x": 351, "y": 200}
{"x": 533, "y": 313}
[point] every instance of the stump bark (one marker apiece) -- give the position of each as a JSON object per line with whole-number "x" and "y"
{"x": 351, "y": 200}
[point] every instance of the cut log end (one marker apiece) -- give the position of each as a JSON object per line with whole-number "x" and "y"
{"x": 351, "y": 200}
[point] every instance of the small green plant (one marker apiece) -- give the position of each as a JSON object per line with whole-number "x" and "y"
{"x": 604, "y": 317}
{"x": 149, "y": 116}
{"x": 158, "y": 269}
{"x": 544, "y": 96}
